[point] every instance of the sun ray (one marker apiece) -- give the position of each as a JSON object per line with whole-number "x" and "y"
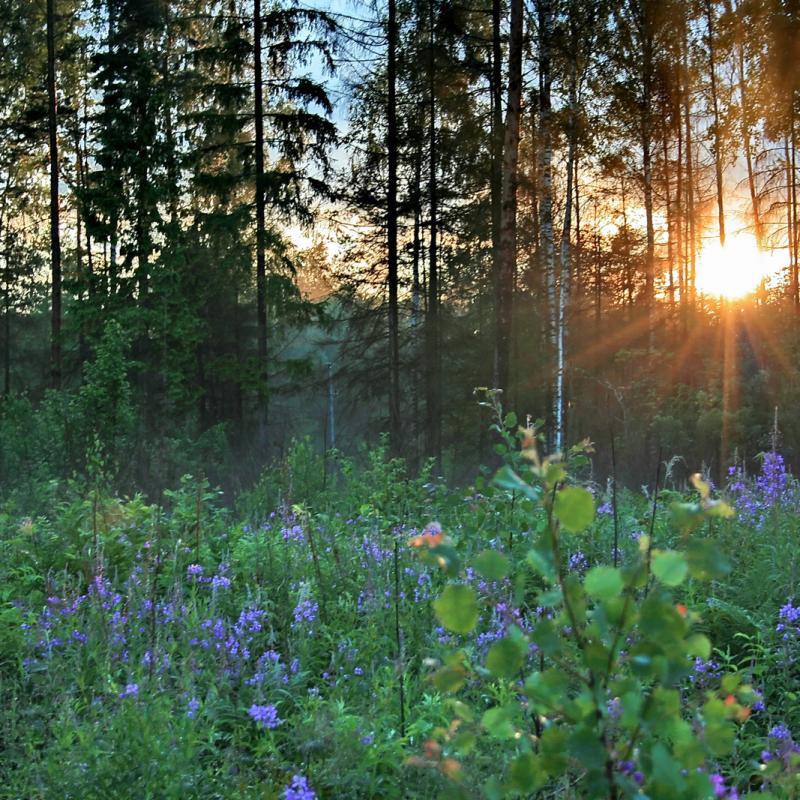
{"x": 735, "y": 269}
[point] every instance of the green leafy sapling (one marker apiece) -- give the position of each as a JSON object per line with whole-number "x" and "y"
{"x": 586, "y": 682}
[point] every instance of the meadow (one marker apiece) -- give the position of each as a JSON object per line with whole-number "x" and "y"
{"x": 347, "y": 630}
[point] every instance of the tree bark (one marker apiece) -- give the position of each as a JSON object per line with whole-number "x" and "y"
{"x": 55, "y": 235}
{"x": 565, "y": 258}
{"x": 712, "y": 63}
{"x": 433, "y": 357}
{"x": 261, "y": 259}
{"x": 391, "y": 223}
{"x": 496, "y": 179}
{"x": 508, "y": 227}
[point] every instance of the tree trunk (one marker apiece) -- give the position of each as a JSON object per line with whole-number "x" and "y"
{"x": 433, "y": 358}
{"x": 508, "y": 227}
{"x": 565, "y": 258}
{"x": 712, "y": 63}
{"x": 391, "y": 222}
{"x": 547, "y": 238}
{"x": 261, "y": 258}
{"x": 496, "y": 180}
{"x": 55, "y": 235}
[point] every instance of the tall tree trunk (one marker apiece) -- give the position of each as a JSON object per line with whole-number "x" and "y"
{"x": 261, "y": 257}
{"x": 712, "y": 65}
{"x": 544, "y": 13}
{"x": 790, "y": 229}
{"x": 416, "y": 292}
{"x": 508, "y": 227}
{"x": 496, "y": 178}
{"x": 679, "y": 221}
{"x": 565, "y": 258}
{"x": 691, "y": 234}
{"x": 669, "y": 215}
{"x": 391, "y": 223}
{"x": 648, "y": 78}
{"x": 745, "y": 120}
{"x": 433, "y": 357}
{"x": 55, "y": 234}
{"x": 794, "y": 219}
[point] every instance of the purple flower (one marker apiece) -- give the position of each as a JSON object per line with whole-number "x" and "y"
{"x": 305, "y": 611}
{"x": 266, "y": 716}
{"x": 192, "y": 708}
{"x": 130, "y": 690}
{"x": 367, "y": 740}
{"x": 194, "y": 569}
{"x": 299, "y": 789}
{"x": 780, "y": 732}
{"x": 220, "y": 582}
{"x": 578, "y": 562}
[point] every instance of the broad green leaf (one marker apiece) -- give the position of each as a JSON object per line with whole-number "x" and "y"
{"x": 603, "y": 583}
{"x": 574, "y": 508}
{"x": 497, "y": 722}
{"x": 527, "y": 774}
{"x": 546, "y": 636}
{"x": 449, "y": 678}
{"x": 698, "y": 645}
{"x": 670, "y": 567}
{"x": 505, "y": 658}
{"x": 492, "y": 565}
{"x": 511, "y": 420}
{"x": 553, "y": 747}
{"x": 584, "y": 745}
{"x": 507, "y": 479}
{"x": 457, "y": 608}
{"x": 548, "y": 689}
{"x": 706, "y": 560}
{"x": 540, "y": 558}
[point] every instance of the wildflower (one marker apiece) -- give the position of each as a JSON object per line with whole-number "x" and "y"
{"x": 130, "y": 690}
{"x": 220, "y": 582}
{"x": 266, "y": 716}
{"x": 780, "y": 732}
{"x": 194, "y": 569}
{"x": 367, "y": 740}
{"x": 299, "y": 789}
{"x": 192, "y": 708}
{"x": 578, "y": 562}
{"x": 305, "y": 611}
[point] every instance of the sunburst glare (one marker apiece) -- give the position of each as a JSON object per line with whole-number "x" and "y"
{"x": 736, "y": 269}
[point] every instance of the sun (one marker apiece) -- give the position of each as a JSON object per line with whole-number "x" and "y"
{"x": 734, "y": 270}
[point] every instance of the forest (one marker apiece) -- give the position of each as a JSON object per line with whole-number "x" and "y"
{"x": 398, "y": 399}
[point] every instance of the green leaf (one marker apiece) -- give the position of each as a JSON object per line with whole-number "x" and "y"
{"x": 540, "y": 558}
{"x": 603, "y": 583}
{"x": 505, "y": 658}
{"x": 527, "y": 774}
{"x": 497, "y": 722}
{"x": 457, "y": 608}
{"x": 511, "y": 420}
{"x": 706, "y": 560}
{"x": 449, "y": 678}
{"x": 670, "y": 567}
{"x": 492, "y": 565}
{"x": 507, "y": 479}
{"x": 574, "y": 508}
{"x": 698, "y": 645}
{"x": 584, "y": 745}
